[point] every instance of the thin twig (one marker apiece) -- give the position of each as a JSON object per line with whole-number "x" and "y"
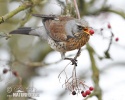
{"x": 59, "y": 76}
{"x": 109, "y": 46}
{"x": 77, "y": 10}
{"x": 78, "y": 14}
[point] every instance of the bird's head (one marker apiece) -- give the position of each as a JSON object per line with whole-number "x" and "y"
{"x": 83, "y": 25}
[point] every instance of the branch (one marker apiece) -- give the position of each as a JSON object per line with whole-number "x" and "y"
{"x": 27, "y": 18}
{"x": 108, "y": 10}
{"x": 121, "y": 13}
{"x": 95, "y": 73}
{"x": 17, "y": 10}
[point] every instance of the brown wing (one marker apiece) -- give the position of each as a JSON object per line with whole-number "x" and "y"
{"x": 57, "y": 28}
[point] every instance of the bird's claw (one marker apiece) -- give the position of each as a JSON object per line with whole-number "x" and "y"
{"x": 74, "y": 61}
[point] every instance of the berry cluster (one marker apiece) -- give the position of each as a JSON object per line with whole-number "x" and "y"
{"x": 109, "y": 27}
{"x": 84, "y": 93}
{"x": 112, "y": 35}
{"x": 87, "y": 92}
{"x": 15, "y": 73}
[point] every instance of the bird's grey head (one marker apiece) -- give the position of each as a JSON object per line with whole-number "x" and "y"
{"x": 75, "y": 26}
{"x": 82, "y": 25}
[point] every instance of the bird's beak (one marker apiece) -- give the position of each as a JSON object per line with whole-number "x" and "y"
{"x": 86, "y": 30}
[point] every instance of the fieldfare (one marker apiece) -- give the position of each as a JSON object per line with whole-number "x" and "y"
{"x": 63, "y": 33}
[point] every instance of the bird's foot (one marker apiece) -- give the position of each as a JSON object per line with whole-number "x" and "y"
{"x": 73, "y": 60}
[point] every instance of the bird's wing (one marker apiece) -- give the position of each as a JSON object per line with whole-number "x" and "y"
{"x": 56, "y": 26}
{"x": 57, "y": 29}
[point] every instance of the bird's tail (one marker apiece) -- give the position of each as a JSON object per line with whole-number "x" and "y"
{"x": 23, "y": 30}
{"x": 40, "y": 32}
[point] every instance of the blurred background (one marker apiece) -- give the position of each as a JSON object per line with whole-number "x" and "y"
{"x": 39, "y": 66}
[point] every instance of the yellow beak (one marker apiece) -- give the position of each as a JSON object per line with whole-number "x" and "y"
{"x": 86, "y": 30}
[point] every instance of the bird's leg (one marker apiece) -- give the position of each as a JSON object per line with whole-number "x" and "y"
{"x": 73, "y": 60}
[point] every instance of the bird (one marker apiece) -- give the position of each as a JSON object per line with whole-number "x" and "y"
{"x": 63, "y": 33}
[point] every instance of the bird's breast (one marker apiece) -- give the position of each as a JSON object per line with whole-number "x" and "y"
{"x": 76, "y": 43}
{"x": 69, "y": 45}
{"x": 58, "y": 46}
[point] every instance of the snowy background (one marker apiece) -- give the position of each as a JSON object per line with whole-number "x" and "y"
{"x": 112, "y": 80}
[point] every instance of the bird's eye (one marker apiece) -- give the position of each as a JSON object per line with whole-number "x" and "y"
{"x": 80, "y": 27}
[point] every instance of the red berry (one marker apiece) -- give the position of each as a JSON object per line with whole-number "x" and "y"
{"x": 91, "y": 32}
{"x": 88, "y": 92}
{"x": 91, "y": 88}
{"x": 109, "y": 26}
{"x": 73, "y": 92}
{"x": 15, "y": 73}
{"x": 116, "y": 39}
{"x": 5, "y": 71}
{"x": 84, "y": 94}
